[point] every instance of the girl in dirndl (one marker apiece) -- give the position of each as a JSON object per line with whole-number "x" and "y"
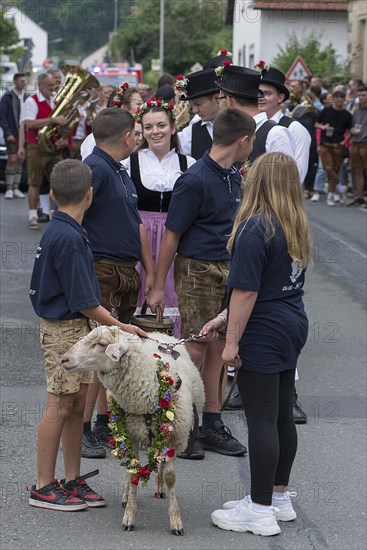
{"x": 154, "y": 169}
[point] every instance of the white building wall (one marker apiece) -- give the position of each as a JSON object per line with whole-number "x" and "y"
{"x": 27, "y": 28}
{"x": 264, "y": 31}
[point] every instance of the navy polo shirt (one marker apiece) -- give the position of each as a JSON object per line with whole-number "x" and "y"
{"x": 204, "y": 202}
{"x": 63, "y": 279}
{"x": 278, "y": 326}
{"x": 112, "y": 221}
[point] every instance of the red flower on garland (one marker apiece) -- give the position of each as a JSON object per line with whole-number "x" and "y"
{"x": 226, "y": 63}
{"x": 179, "y": 77}
{"x": 163, "y": 404}
{"x": 144, "y": 471}
{"x": 171, "y": 453}
{"x": 171, "y": 107}
{"x": 135, "y": 481}
{"x": 170, "y": 380}
{"x": 112, "y": 441}
{"x": 261, "y": 64}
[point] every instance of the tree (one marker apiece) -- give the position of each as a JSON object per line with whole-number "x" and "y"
{"x": 319, "y": 60}
{"x": 8, "y": 31}
{"x": 194, "y": 31}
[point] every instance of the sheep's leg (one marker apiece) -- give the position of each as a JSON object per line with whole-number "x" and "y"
{"x": 129, "y": 517}
{"x": 173, "y": 509}
{"x": 125, "y": 491}
{"x": 161, "y": 484}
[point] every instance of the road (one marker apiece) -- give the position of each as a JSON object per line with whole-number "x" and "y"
{"x": 329, "y": 473}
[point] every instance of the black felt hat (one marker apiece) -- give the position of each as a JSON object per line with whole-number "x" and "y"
{"x": 275, "y": 78}
{"x": 217, "y": 61}
{"x": 200, "y": 84}
{"x": 241, "y": 82}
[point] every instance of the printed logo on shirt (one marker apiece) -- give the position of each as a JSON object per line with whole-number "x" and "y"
{"x": 32, "y": 292}
{"x": 297, "y": 271}
{"x": 38, "y": 252}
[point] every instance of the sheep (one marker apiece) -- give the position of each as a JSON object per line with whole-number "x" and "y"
{"x": 126, "y": 368}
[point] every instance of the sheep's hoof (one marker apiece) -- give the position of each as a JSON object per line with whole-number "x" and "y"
{"x": 123, "y": 504}
{"x": 160, "y": 495}
{"x": 177, "y": 532}
{"x": 128, "y": 527}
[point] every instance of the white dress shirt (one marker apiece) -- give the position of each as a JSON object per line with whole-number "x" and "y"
{"x": 87, "y": 146}
{"x": 302, "y": 140}
{"x": 185, "y": 137}
{"x": 29, "y": 109}
{"x": 158, "y": 175}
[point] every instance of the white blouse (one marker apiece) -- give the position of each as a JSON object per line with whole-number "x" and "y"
{"x": 158, "y": 175}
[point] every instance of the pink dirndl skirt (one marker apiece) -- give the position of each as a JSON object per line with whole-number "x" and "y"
{"x": 154, "y": 226}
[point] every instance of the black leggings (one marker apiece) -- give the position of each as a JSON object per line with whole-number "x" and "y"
{"x": 272, "y": 435}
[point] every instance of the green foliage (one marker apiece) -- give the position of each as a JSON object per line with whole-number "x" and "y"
{"x": 320, "y": 61}
{"x": 8, "y": 32}
{"x": 194, "y": 32}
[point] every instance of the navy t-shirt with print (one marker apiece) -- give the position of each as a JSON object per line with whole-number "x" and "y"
{"x": 204, "y": 202}
{"x": 63, "y": 279}
{"x": 278, "y": 326}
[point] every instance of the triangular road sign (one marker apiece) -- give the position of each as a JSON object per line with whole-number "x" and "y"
{"x": 298, "y": 70}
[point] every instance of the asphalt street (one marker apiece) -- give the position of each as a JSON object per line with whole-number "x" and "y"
{"x": 329, "y": 473}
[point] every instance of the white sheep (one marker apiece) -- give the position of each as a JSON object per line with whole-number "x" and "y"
{"x": 127, "y": 368}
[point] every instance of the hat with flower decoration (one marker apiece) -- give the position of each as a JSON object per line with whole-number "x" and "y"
{"x": 273, "y": 77}
{"x": 219, "y": 59}
{"x": 241, "y": 82}
{"x": 199, "y": 84}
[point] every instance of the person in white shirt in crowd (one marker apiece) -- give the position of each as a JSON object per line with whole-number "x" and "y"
{"x": 126, "y": 97}
{"x": 201, "y": 90}
{"x": 275, "y": 92}
{"x": 154, "y": 169}
{"x": 240, "y": 89}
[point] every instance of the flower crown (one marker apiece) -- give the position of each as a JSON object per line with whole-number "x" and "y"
{"x": 153, "y": 102}
{"x": 224, "y": 52}
{"x": 219, "y": 70}
{"x": 117, "y": 100}
{"x": 261, "y": 66}
{"x": 181, "y": 84}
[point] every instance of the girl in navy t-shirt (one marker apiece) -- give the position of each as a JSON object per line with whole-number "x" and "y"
{"x": 267, "y": 328}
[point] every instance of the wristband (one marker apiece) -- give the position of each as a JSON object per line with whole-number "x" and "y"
{"x": 223, "y": 317}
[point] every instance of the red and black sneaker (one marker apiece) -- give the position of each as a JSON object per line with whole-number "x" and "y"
{"x": 53, "y": 497}
{"x": 80, "y": 489}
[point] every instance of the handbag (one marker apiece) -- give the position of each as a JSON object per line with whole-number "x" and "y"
{"x": 153, "y": 322}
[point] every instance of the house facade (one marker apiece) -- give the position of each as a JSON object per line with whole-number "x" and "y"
{"x": 261, "y": 27}
{"x": 357, "y": 38}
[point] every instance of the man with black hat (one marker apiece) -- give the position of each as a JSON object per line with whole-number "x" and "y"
{"x": 275, "y": 92}
{"x": 201, "y": 90}
{"x": 240, "y": 89}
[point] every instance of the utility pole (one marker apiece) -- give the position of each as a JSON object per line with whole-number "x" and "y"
{"x": 161, "y": 38}
{"x": 116, "y": 21}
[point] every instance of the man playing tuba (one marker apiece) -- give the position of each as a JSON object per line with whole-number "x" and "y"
{"x": 36, "y": 114}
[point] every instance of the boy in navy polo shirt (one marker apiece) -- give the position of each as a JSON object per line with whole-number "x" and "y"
{"x": 200, "y": 218}
{"x": 65, "y": 294}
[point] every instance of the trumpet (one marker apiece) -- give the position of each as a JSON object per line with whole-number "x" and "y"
{"x": 68, "y": 99}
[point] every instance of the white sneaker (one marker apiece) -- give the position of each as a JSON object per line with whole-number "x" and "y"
{"x": 315, "y": 197}
{"x": 337, "y": 198}
{"x": 33, "y": 223}
{"x": 9, "y": 194}
{"x": 18, "y": 194}
{"x": 330, "y": 202}
{"x": 284, "y": 509}
{"x": 244, "y": 518}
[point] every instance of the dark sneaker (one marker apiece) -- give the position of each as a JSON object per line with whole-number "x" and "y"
{"x": 80, "y": 489}
{"x": 235, "y": 402}
{"x": 54, "y": 497}
{"x": 357, "y": 202}
{"x": 103, "y": 434}
{"x": 197, "y": 452}
{"x": 299, "y": 416}
{"x": 91, "y": 447}
{"x": 220, "y": 440}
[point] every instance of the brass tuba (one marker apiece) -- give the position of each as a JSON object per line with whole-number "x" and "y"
{"x": 68, "y": 98}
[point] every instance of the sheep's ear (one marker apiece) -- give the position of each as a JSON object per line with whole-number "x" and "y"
{"x": 116, "y": 351}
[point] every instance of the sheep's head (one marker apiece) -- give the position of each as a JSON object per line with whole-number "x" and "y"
{"x": 99, "y": 350}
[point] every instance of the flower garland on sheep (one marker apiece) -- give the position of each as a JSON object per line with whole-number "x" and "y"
{"x": 162, "y": 427}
